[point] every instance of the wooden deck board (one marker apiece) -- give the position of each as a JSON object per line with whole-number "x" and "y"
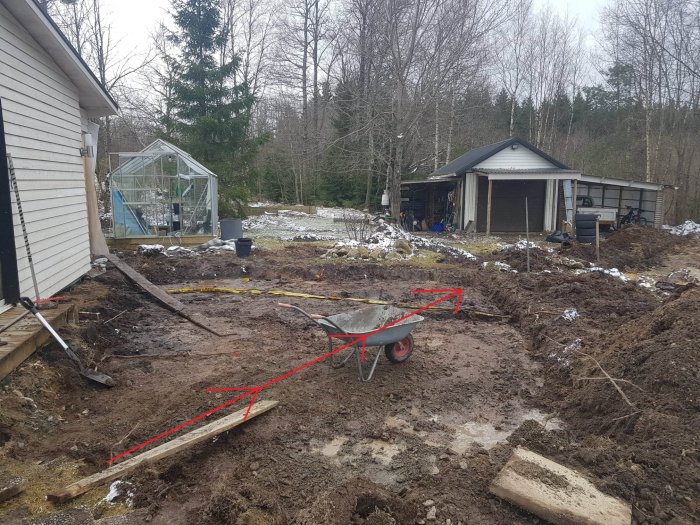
{"x": 26, "y": 335}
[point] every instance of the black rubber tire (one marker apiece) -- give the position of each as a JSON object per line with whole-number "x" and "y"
{"x": 584, "y": 217}
{"x": 586, "y": 240}
{"x": 585, "y": 232}
{"x": 396, "y": 354}
{"x": 585, "y": 225}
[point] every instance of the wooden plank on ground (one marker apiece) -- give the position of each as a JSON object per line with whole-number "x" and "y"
{"x": 160, "y": 452}
{"x": 10, "y": 486}
{"x": 132, "y": 243}
{"x": 167, "y": 300}
{"x": 24, "y": 337}
{"x": 556, "y": 493}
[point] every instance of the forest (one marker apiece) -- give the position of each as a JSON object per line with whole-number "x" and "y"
{"x": 334, "y": 101}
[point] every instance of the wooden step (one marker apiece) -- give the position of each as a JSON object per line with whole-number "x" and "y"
{"x": 25, "y": 335}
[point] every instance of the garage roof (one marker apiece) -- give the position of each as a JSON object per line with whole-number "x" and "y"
{"x": 471, "y": 158}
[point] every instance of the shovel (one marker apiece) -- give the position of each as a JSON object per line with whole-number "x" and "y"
{"x": 103, "y": 379}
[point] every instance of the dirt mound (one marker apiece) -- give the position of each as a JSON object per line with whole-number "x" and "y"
{"x": 655, "y": 363}
{"x": 517, "y": 259}
{"x": 632, "y": 248}
{"x": 359, "y": 501}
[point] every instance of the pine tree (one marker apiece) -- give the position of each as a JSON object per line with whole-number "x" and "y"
{"x": 211, "y": 112}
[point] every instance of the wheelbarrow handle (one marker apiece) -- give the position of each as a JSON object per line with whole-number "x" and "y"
{"x": 315, "y": 317}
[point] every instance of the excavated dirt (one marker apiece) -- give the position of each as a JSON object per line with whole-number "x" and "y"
{"x": 432, "y": 432}
{"x": 632, "y": 248}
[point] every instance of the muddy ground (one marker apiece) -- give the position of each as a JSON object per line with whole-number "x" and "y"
{"x": 431, "y": 432}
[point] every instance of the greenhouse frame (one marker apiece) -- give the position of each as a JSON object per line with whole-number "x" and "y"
{"x": 162, "y": 191}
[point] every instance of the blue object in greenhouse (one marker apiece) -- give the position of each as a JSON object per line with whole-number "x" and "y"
{"x": 125, "y": 216}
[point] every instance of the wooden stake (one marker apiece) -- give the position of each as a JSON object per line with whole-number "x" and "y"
{"x": 162, "y": 451}
{"x": 488, "y": 208}
{"x": 527, "y": 235}
{"x": 597, "y": 239}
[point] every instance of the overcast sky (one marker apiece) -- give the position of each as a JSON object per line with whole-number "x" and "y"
{"x": 133, "y": 20}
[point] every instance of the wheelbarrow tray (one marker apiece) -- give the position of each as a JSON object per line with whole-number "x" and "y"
{"x": 369, "y": 319}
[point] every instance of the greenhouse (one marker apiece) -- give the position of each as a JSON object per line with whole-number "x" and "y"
{"x": 161, "y": 191}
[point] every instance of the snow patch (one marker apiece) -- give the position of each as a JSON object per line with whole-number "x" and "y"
{"x": 120, "y": 492}
{"x": 570, "y": 314}
{"x": 150, "y": 249}
{"x": 689, "y": 227}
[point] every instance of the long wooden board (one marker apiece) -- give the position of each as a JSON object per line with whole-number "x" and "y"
{"x": 161, "y": 296}
{"x": 556, "y": 493}
{"x": 162, "y": 451}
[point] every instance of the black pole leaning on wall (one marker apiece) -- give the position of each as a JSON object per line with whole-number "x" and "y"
{"x": 8, "y": 252}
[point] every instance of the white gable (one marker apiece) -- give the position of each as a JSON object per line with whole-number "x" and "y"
{"x": 521, "y": 158}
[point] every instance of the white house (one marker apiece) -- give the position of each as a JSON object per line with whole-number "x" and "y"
{"x": 485, "y": 190}
{"x": 47, "y": 95}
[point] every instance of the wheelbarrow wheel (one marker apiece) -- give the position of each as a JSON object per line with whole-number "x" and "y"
{"x": 399, "y": 351}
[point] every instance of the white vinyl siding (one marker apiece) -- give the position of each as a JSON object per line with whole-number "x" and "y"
{"x": 515, "y": 159}
{"x": 43, "y": 135}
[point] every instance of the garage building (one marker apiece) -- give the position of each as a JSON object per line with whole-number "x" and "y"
{"x": 487, "y": 190}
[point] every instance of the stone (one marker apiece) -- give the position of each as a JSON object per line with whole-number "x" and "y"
{"x": 432, "y": 513}
{"x": 428, "y": 503}
{"x": 403, "y": 246}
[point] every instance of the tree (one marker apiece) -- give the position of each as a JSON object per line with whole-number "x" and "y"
{"x": 211, "y": 112}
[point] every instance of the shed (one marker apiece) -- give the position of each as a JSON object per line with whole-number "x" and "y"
{"x": 486, "y": 190}
{"x": 47, "y": 96}
{"x": 160, "y": 191}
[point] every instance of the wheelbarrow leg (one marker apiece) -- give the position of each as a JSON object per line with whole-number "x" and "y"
{"x": 335, "y": 360}
{"x": 360, "y": 368}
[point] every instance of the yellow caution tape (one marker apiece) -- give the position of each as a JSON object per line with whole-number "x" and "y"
{"x": 301, "y": 295}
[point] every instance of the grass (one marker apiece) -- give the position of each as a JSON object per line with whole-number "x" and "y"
{"x": 46, "y": 477}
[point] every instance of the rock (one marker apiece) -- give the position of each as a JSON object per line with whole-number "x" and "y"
{"x": 255, "y": 465}
{"x": 377, "y": 254}
{"x": 10, "y": 486}
{"x": 432, "y": 513}
{"x": 428, "y": 503}
{"x": 403, "y": 246}
{"x": 363, "y": 252}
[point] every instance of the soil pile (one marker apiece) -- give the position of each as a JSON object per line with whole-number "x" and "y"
{"x": 655, "y": 362}
{"x": 632, "y": 248}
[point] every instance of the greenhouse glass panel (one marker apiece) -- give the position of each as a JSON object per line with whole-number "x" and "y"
{"x": 162, "y": 191}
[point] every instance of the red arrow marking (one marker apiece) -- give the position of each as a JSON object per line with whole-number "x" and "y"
{"x": 253, "y": 391}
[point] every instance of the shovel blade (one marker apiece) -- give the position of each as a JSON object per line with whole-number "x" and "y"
{"x": 103, "y": 379}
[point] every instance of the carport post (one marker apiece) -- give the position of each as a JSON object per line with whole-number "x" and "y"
{"x": 488, "y": 208}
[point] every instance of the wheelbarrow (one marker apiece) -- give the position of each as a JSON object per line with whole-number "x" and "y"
{"x": 396, "y": 339}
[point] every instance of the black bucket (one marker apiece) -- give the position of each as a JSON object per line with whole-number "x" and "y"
{"x": 243, "y": 246}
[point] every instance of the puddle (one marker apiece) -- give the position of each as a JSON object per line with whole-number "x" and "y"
{"x": 487, "y": 435}
{"x": 332, "y": 448}
{"x": 464, "y": 435}
{"x": 381, "y": 451}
